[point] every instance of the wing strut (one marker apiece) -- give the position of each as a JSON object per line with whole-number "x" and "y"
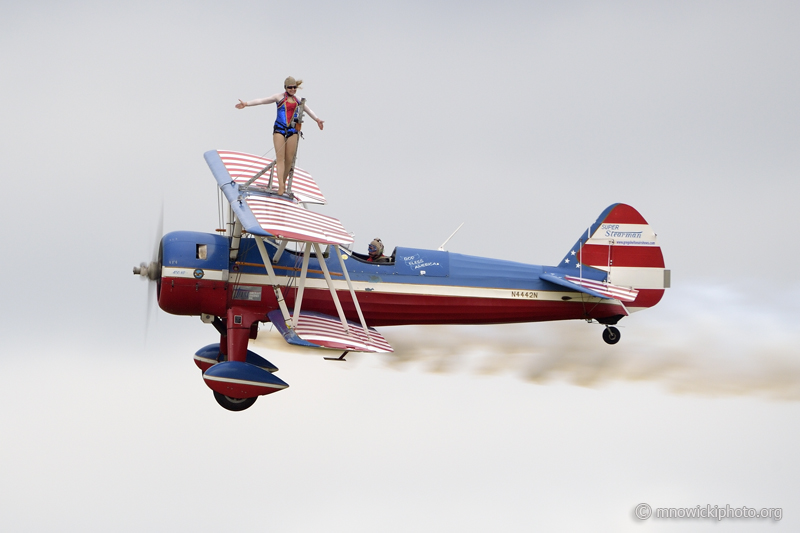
{"x": 236, "y": 238}
{"x": 279, "y": 252}
{"x": 329, "y": 281}
{"x": 352, "y": 292}
{"x": 272, "y": 279}
{"x": 259, "y": 174}
{"x": 301, "y": 285}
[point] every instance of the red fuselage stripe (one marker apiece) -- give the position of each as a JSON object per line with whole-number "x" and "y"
{"x": 184, "y": 296}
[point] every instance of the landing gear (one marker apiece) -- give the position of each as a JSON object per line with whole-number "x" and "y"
{"x": 234, "y": 404}
{"x": 611, "y": 335}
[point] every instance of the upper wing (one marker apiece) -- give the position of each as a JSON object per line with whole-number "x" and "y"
{"x": 269, "y": 215}
{"x": 241, "y": 167}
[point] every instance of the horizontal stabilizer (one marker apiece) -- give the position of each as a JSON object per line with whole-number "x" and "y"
{"x": 595, "y": 288}
{"x": 324, "y": 331}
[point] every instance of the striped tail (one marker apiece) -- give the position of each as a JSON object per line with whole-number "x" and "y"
{"x": 622, "y": 244}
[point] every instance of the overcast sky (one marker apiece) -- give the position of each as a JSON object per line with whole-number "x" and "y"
{"x": 524, "y": 120}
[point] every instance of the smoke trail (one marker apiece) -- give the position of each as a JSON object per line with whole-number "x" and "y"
{"x": 706, "y": 340}
{"x": 699, "y": 340}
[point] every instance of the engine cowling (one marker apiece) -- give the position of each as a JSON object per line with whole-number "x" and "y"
{"x": 194, "y": 273}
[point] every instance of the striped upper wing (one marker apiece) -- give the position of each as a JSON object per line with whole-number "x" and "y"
{"x": 271, "y": 215}
{"x": 243, "y": 166}
{"x": 287, "y": 220}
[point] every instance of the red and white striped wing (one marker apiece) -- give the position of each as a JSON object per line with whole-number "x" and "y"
{"x": 624, "y": 294}
{"x": 243, "y": 166}
{"x": 328, "y": 332}
{"x": 287, "y": 220}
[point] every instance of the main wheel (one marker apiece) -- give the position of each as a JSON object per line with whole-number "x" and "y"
{"x": 234, "y": 404}
{"x": 611, "y": 335}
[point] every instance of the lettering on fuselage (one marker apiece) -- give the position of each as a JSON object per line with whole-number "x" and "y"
{"x": 415, "y": 262}
{"x": 524, "y": 294}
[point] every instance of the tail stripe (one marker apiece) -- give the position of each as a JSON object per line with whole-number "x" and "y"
{"x": 621, "y": 256}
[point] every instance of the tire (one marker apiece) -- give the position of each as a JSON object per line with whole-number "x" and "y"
{"x": 611, "y": 335}
{"x": 234, "y": 404}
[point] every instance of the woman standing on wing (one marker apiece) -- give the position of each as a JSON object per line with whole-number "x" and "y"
{"x": 284, "y": 136}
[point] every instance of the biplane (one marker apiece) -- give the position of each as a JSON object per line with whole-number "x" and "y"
{"x": 279, "y": 262}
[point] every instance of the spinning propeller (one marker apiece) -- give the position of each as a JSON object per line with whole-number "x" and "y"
{"x": 152, "y": 270}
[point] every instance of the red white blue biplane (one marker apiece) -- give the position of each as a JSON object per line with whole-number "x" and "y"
{"x": 324, "y": 295}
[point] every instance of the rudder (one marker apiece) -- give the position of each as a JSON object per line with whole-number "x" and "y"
{"x": 623, "y": 244}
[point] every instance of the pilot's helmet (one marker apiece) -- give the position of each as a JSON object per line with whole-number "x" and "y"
{"x": 375, "y": 247}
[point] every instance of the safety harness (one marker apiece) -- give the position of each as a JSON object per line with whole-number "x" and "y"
{"x": 282, "y": 122}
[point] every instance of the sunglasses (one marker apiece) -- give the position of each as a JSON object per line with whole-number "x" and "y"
{"x": 291, "y": 87}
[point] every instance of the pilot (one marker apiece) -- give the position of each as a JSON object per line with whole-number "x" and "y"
{"x": 284, "y": 136}
{"x": 376, "y": 252}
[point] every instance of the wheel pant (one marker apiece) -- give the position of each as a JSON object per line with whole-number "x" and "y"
{"x": 285, "y": 150}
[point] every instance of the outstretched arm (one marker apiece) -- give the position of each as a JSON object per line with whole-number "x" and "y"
{"x": 316, "y": 119}
{"x": 270, "y": 100}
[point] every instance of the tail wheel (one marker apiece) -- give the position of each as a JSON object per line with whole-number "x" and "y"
{"x": 234, "y": 404}
{"x": 611, "y": 335}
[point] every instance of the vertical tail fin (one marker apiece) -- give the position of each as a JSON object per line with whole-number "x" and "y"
{"x": 622, "y": 244}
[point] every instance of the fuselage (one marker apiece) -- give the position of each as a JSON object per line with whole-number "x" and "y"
{"x": 418, "y": 287}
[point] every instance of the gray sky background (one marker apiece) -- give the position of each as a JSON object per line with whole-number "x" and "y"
{"x": 522, "y": 119}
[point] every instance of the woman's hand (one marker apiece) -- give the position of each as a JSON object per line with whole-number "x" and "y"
{"x": 320, "y": 123}
{"x": 242, "y": 105}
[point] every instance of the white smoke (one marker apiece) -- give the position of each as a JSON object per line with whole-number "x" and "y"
{"x": 698, "y": 340}
{"x": 706, "y": 340}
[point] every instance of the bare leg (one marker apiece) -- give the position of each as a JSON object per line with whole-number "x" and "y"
{"x": 291, "y": 150}
{"x": 280, "y": 156}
